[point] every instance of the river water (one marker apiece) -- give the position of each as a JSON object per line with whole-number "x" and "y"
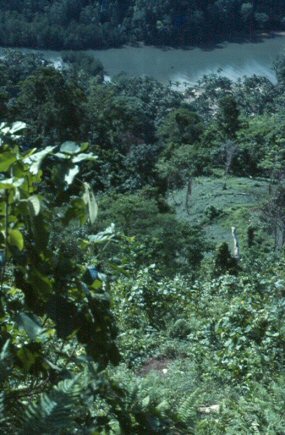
{"x": 232, "y": 60}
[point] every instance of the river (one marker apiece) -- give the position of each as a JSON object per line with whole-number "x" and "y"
{"x": 232, "y": 60}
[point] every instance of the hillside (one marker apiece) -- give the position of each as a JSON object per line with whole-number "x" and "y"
{"x": 123, "y": 307}
{"x": 81, "y": 24}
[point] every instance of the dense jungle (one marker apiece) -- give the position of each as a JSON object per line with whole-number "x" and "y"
{"x": 81, "y": 24}
{"x": 142, "y": 229}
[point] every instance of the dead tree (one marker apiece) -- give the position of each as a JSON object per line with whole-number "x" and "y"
{"x": 188, "y": 195}
{"x": 236, "y": 244}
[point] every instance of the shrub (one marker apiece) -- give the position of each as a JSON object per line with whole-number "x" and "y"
{"x": 180, "y": 329}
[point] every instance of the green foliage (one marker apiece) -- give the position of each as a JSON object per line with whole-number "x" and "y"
{"x": 96, "y": 24}
{"x": 51, "y": 106}
{"x": 212, "y": 212}
{"x": 225, "y": 262}
{"x": 147, "y": 299}
{"x": 253, "y": 412}
{"x": 54, "y": 412}
{"x": 178, "y": 164}
{"x": 172, "y": 245}
{"x": 82, "y": 65}
{"x": 180, "y": 329}
{"x": 228, "y": 116}
{"x": 110, "y": 324}
{"x": 181, "y": 127}
{"x": 43, "y": 308}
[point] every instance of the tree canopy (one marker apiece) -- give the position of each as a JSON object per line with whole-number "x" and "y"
{"x": 70, "y": 24}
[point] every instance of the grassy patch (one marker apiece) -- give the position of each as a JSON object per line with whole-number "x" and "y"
{"x": 218, "y": 203}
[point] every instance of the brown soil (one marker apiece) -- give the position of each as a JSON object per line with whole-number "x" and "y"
{"x": 155, "y": 364}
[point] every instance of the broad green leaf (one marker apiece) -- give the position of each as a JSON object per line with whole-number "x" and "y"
{"x": 70, "y": 147}
{"x": 15, "y": 238}
{"x": 41, "y": 283}
{"x": 30, "y": 325}
{"x": 7, "y": 158}
{"x": 97, "y": 284}
{"x": 35, "y": 160}
{"x": 84, "y": 146}
{"x": 27, "y": 358}
{"x": 71, "y": 174}
{"x": 89, "y": 199}
{"x": 75, "y": 211}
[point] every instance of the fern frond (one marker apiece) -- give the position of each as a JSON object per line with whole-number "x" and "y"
{"x": 188, "y": 409}
{"x": 54, "y": 411}
{"x": 6, "y": 426}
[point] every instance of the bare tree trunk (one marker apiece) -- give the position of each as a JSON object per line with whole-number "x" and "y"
{"x": 236, "y": 243}
{"x": 282, "y": 237}
{"x": 275, "y": 238}
{"x": 279, "y": 238}
{"x": 188, "y": 195}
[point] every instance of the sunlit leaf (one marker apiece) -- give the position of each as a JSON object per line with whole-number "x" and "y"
{"x": 11, "y": 183}
{"x": 62, "y": 156}
{"x": 15, "y": 238}
{"x": 71, "y": 174}
{"x": 97, "y": 284}
{"x": 30, "y": 325}
{"x": 35, "y": 204}
{"x": 7, "y": 158}
{"x": 146, "y": 402}
{"x": 103, "y": 236}
{"x": 5, "y": 351}
{"x": 90, "y": 200}
{"x": 70, "y": 147}
{"x": 35, "y": 160}
{"x": 84, "y": 156}
{"x": 17, "y": 126}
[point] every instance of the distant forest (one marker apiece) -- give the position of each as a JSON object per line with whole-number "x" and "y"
{"x": 82, "y": 24}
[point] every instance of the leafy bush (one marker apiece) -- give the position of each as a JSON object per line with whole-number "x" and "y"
{"x": 174, "y": 246}
{"x": 211, "y": 212}
{"x": 180, "y": 329}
